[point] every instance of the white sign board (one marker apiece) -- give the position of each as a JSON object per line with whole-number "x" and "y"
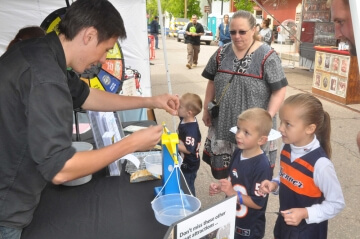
{"x": 219, "y": 221}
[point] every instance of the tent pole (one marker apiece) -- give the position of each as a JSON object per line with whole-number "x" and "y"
{"x": 163, "y": 36}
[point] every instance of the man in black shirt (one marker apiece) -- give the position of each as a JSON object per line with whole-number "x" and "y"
{"x": 194, "y": 31}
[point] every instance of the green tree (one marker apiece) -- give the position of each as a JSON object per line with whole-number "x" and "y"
{"x": 194, "y": 8}
{"x": 175, "y": 8}
{"x": 152, "y": 7}
{"x": 247, "y": 5}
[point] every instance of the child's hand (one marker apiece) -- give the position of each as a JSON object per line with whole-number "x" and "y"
{"x": 294, "y": 216}
{"x": 214, "y": 188}
{"x": 227, "y": 187}
{"x": 267, "y": 187}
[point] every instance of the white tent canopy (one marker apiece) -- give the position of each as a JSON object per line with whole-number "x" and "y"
{"x": 20, "y": 13}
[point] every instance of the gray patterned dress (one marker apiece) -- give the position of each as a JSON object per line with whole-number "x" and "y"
{"x": 257, "y": 75}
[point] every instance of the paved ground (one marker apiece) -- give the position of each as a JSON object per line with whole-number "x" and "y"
{"x": 345, "y": 125}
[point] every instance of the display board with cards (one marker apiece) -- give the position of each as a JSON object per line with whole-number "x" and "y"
{"x": 336, "y": 75}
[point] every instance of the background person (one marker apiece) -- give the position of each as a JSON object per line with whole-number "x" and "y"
{"x": 194, "y": 31}
{"x": 154, "y": 30}
{"x": 309, "y": 190}
{"x": 341, "y": 15}
{"x": 27, "y": 33}
{"x": 265, "y": 34}
{"x": 190, "y": 137}
{"x": 248, "y": 168}
{"x": 242, "y": 75}
{"x": 222, "y": 33}
{"x": 36, "y": 110}
{"x": 257, "y": 28}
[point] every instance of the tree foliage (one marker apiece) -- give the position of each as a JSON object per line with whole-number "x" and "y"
{"x": 152, "y": 7}
{"x": 246, "y": 5}
{"x": 174, "y": 7}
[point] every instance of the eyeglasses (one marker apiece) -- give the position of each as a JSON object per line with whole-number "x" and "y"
{"x": 241, "y": 32}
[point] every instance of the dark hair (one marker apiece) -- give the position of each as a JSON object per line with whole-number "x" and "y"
{"x": 156, "y": 17}
{"x": 313, "y": 113}
{"x": 27, "y": 33}
{"x": 267, "y": 22}
{"x": 100, "y": 14}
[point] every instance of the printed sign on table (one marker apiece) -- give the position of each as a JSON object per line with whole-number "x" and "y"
{"x": 217, "y": 221}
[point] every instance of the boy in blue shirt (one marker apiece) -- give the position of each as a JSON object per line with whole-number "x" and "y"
{"x": 189, "y": 137}
{"x": 248, "y": 168}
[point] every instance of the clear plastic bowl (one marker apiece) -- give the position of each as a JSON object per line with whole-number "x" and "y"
{"x": 171, "y": 208}
{"x": 153, "y": 163}
{"x": 80, "y": 146}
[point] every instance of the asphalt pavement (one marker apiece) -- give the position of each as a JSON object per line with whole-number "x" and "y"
{"x": 345, "y": 120}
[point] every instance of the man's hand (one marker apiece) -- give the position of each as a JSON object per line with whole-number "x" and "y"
{"x": 167, "y": 102}
{"x": 148, "y": 138}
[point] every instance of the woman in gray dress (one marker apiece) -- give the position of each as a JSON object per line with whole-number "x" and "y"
{"x": 242, "y": 74}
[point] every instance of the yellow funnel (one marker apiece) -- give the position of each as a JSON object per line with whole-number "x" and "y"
{"x": 170, "y": 140}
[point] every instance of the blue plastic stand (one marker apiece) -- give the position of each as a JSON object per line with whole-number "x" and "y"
{"x": 172, "y": 185}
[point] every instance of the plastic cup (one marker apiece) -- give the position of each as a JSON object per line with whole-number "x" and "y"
{"x": 153, "y": 163}
{"x": 80, "y": 146}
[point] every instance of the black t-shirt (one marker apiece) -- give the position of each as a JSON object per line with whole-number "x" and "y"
{"x": 37, "y": 96}
{"x": 197, "y": 28}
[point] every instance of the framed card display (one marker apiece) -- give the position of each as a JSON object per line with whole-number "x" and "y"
{"x": 336, "y": 75}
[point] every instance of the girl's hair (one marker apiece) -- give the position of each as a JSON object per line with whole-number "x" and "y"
{"x": 267, "y": 22}
{"x": 27, "y": 33}
{"x": 313, "y": 113}
{"x": 247, "y": 16}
